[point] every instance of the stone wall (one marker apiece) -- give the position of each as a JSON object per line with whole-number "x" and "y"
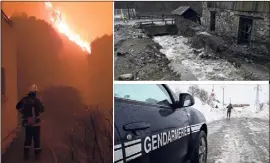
{"x": 261, "y": 28}
{"x": 227, "y": 22}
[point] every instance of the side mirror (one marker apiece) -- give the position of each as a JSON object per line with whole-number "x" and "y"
{"x": 185, "y": 100}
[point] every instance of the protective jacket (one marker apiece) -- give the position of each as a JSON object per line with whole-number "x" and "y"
{"x": 229, "y": 107}
{"x": 30, "y": 107}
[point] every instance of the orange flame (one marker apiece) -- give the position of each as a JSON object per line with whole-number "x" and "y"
{"x": 62, "y": 27}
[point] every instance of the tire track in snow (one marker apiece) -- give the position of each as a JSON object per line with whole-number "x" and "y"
{"x": 231, "y": 138}
{"x": 257, "y": 134}
{"x": 214, "y": 139}
{"x": 237, "y": 141}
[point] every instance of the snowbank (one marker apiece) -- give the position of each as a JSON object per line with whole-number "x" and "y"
{"x": 211, "y": 114}
{"x": 218, "y": 104}
{"x": 264, "y": 113}
{"x": 250, "y": 112}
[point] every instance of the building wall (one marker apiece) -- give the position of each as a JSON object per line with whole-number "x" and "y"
{"x": 156, "y": 7}
{"x": 227, "y": 22}
{"x": 9, "y": 115}
{"x": 250, "y": 6}
{"x": 183, "y": 26}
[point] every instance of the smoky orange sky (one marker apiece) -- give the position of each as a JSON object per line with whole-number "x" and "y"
{"x": 88, "y": 19}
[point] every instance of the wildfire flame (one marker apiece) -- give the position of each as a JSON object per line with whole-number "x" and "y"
{"x": 58, "y": 22}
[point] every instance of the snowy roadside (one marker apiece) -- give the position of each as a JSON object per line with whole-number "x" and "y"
{"x": 179, "y": 52}
{"x": 210, "y": 114}
{"x": 250, "y": 112}
{"x": 214, "y": 114}
{"x": 244, "y": 138}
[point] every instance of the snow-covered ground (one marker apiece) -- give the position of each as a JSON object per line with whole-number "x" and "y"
{"x": 179, "y": 52}
{"x": 250, "y": 111}
{"x": 239, "y": 140}
{"x": 244, "y": 138}
{"x": 212, "y": 114}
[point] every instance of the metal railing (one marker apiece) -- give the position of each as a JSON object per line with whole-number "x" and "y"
{"x": 153, "y": 22}
{"x": 153, "y": 16}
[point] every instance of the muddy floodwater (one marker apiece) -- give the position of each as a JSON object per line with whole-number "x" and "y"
{"x": 182, "y": 56}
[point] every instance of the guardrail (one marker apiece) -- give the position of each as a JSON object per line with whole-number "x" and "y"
{"x": 153, "y": 16}
{"x": 153, "y": 22}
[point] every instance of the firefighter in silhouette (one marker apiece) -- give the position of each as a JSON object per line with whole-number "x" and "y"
{"x": 31, "y": 108}
{"x": 229, "y": 109}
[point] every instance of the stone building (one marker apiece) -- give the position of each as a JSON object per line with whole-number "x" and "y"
{"x": 243, "y": 21}
{"x": 9, "y": 114}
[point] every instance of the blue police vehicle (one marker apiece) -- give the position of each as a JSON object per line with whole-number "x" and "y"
{"x": 154, "y": 125}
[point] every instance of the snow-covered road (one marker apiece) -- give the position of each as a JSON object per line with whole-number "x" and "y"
{"x": 238, "y": 140}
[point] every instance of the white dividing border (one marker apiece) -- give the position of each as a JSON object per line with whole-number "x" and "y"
{"x": 194, "y": 82}
{"x": 113, "y": 79}
{"x": 1, "y": 72}
{"x": 170, "y": 0}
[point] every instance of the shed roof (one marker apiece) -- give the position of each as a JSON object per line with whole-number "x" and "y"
{"x": 181, "y": 10}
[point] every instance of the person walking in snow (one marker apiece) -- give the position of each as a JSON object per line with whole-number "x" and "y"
{"x": 229, "y": 109}
{"x": 31, "y": 108}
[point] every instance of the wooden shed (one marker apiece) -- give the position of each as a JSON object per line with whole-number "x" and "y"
{"x": 186, "y": 12}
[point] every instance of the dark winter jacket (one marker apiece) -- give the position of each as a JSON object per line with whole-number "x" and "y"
{"x": 30, "y": 107}
{"x": 229, "y": 107}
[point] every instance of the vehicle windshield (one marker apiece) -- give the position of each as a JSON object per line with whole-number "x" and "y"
{"x": 150, "y": 93}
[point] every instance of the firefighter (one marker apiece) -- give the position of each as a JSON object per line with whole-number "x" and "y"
{"x": 31, "y": 108}
{"x": 229, "y": 109}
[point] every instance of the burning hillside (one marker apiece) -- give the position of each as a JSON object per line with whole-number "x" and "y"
{"x": 58, "y": 21}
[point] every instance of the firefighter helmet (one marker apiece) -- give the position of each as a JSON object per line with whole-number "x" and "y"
{"x": 33, "y": 88}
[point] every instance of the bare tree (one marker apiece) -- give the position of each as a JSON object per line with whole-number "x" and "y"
{"x": 203, "y": 95}
{"x": 92, "y": 142}
{"x": 194, "y": 90}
